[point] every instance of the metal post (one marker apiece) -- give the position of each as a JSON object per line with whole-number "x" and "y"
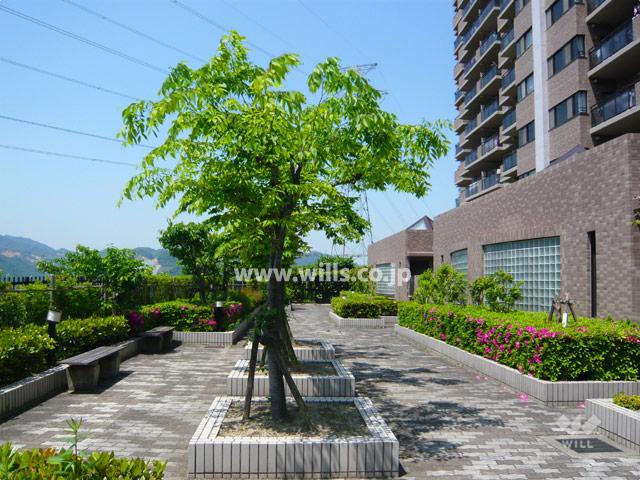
{"x": 218, "y": 313}
{"x": 51, "y": 323}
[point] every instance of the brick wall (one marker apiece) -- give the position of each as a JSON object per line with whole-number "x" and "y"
{"x": 590, "y": 191}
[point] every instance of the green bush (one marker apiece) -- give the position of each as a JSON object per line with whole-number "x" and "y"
{"x": 498, "y": 291}
{"x": 13, "y": 311}
{"x": 632, "y": 402}
{"x": 77, "y": 336}
{"x": 23, "y": 352}
{"x": 78, "y": 299}
{"x": 589, "y": 349}
{"x": 362, "y": 305}
{"x": 447, "y": 285}
{"x": 38, "y": 464}
{"x": 189, "y": 317}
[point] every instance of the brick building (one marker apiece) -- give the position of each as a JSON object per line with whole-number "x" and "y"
{"x": 410, "y": 248}
{"x": 549, "y": 162}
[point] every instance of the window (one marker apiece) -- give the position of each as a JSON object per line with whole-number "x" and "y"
{"x": 526, "y": 134}
{"x": 524, "y": 88}
{"x": 460, "y": 261}
{"x": 523, "y": 43}
{"x": 568, "y": 53}
{"x": 385, "y": 284}
{"x": 558, "y": 9}
{"x": 575, "y": 105}
{"x": 520, "y": 4}
{"x": 535, "y": 262}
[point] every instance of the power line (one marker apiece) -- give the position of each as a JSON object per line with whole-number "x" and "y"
{"x": 81, "y": 39}
{"x": 66, "y": 155}
{"x": 132, "y": 30}
{"x": 67, "y": 130}
{"x": 67, "y": 79}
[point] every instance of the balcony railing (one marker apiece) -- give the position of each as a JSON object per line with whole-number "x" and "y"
{"x": 469, "y": 65}
{"x": 509, "y": 119}
{"x": 459, "y": 94}
{"x": 467, "y": 6}
{"x": 593, "y": 4}
{"x": 457, "y": 42}
{"x": 475, "y": 25}
{"x": 618, "y": 103}
{"x": 490, "y": 180}
{"x": 488, "y": 76}
{"x": 504, "y": 3}
{"x": 490, "y": 144}
{"x": 488, "y": 41}
{"x": 489, "y": 109}
{"x": 470, "y": 158}
{"x": 508, "y": 78}
{"x": 506, "y": 39}
{"x": 470, "y": 94}
{"x": 471, "y": 189}
{"x": 458, "y": 148}
{"x": 471, "y": 126}
{"x": 509, "y": 161}
{"x": 616, "y": 41}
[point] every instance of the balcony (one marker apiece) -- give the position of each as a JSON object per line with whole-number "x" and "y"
{"x": 470, "y": 158}
{"x": 508, "y": 79}
{"x": 509, "y": 122}
{"x": 470, "y": 126}
{"x": 507, "y": 9}
{"x": 488, "y": 110}
{"x": 470, "y": 94}
{"x": 487, "y": 86}
{"x": 617, "y": 115}
{"x": 509, "y": 162}
{"x": 609, "y": 12}
{"x": 487, "y": 76}
{"x": 490, "y": 181}
{"x": 615, "y": 56}
{"x": 486, "y": 21}
{"x": 506, "y": 40}
{"x": 472, "y": 189}
{"x": 459, "y": 95}
{"x": 488, "y": 42}
{"x": 490, "y": 144}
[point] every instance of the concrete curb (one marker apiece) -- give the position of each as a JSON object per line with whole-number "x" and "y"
{"x": 204, "y": 338}
{"x": 324, "y": 351}
{"x": 360, "y": 323}
{"x": 619, "y": 424}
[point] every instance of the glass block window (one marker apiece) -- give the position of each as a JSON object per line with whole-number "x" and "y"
{"x": 386, "y": 283}
{"x": 535, "y": 262}
{"x": 460, "y": 261}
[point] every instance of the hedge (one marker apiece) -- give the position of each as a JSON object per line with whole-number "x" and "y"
{"x": 362, "y": 305}
{"x": 80, "y": 335}
{"x": 185, "y": 316}
{"x": 589, "y": 349}
{"x": 632, "y": 402}
{"x": 38, "y": 464}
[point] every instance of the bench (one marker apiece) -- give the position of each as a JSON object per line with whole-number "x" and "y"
{"x": 157, "y": 339}
{"x": 84, "y": 370}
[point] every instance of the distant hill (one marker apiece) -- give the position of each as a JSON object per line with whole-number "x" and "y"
{"x": 19, "y": 255}
{"x": 308, "y": 258}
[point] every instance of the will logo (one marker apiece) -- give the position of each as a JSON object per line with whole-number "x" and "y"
{"x": 575, "y": 425}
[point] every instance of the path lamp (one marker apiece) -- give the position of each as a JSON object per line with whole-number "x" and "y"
{"x": 218, "y": 312}
{"x": 53, "y": 318}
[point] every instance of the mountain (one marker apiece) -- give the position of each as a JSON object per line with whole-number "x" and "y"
{"x": 308, "y": 258}
{"x": 19, "y": 255}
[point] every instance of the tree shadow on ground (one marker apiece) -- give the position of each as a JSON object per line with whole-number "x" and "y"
{"x": 367, "y": 373}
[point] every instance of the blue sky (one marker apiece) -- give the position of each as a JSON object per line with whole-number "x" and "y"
{"x": 63, "y": 202}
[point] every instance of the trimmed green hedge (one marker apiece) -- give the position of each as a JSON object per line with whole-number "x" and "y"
{"x": 589, "y": 349}
{"x": 77, "y": 336}
{"x": 632, "y": 402}
{"x": 186, "y": 317}
{"x": 362, "y": 305}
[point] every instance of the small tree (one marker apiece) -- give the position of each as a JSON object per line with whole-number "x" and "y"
{"x": 197, "y": 249}
{"x": 498, "y": 291}
{"x": 446, "y": 286}
{"x": 268, "y": 165}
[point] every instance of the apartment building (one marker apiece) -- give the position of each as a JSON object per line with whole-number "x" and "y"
{"x": 548, "y": 151}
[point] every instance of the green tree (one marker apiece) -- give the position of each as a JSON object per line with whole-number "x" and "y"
{"x": 197, "y": 249}
{"x": 447, "y": 285}
{"x": 268, "y": 165}
{"x": 498, "y": 291}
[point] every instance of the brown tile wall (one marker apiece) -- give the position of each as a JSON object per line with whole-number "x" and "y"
{"x": 590, "y": 191}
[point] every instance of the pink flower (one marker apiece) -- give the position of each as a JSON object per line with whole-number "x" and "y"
{"x": 443, "y": 337}
{"x": 517, "y": 345}
{"x": 523, "y": 397}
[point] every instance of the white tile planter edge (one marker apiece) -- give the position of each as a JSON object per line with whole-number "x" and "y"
{"x": 618, "y": 423}
{"x": 360, "y": 323}
{"x": 204, "y": 338}
{"x": 324, "y": 351}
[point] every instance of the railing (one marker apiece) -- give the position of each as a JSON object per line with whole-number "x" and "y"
{"x": 458, "y": 94}
{"x": 488, "y": 41}
{"x": 457, "y": 42}
{"x": 458, "y": 148}
{"x": 486, "y": 10}
{"x": 470, "y": 94}
{"x": 490, "y": 144}
{"x": 469, "y": 65}
{"x": 471, "y": 126}
{"x": 620, "y": 102}
{"x": 510, "y": 161}
{"x": 508, "y": 78}
{"x": 506, "y": 39}
{"x": 593, "y": 4}
{"x": 504, "y": 4}
{"x": 470, "y": 158}
{"x": 490, "y": 180}
{"x": 617, "y": 40}
{"x": 471, "y": 189}
{"x": 467, "y": 6}
{"x": 488, "y": 76}
{"x": 457, "y": 202}
{"x": 509, "y": 118}
{"x": 489, "y": 109}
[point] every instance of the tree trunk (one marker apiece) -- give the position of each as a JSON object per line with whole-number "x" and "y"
{"x": 202, "y": 289}
{"x": 252, "y": 373}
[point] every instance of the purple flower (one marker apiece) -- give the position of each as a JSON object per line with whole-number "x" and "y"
{"x": 443, "y": 337}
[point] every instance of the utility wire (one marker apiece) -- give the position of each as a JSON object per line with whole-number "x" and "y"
{"x": 67, "y": 130}
{"x": 67, "y": 79}
{"x": 66, "y": 155}
{"x": 132, "y": 30}
{"x": 81, "y": 39}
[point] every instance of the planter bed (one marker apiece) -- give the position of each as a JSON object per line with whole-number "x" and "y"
{"x": 544, "y": 390}
{"x": 339, "y": 384}
{"x": 618, "y": 423}
{"x": 207, "y": 338}
{"x": 315, "y": 350}
{"x": 330, "y": 456}
{"x": 362, "y": 323}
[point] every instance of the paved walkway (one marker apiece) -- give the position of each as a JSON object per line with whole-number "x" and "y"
{"x": 450, "y": 421}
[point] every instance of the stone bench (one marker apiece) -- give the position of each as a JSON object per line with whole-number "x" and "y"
{"x": 84, "y": 370}
{"x": 157, "y": 339}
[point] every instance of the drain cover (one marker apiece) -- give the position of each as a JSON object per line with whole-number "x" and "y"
{"x": 587, "y": 445}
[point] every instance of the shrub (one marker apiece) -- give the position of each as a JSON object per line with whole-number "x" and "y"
{"x": 446, "y": 286}
{"x": 361, "y": 305}
{"x": 498, "y": 291}
{"x": 23, "y": 352}
{"x": 188, "y": 317}
{"x": 77, "y": 336}
{"x": 632, "y": 402}
{"x": 589, "y": 349}
{"x": 163, "y": 288}
{"x": 13, "y": 311}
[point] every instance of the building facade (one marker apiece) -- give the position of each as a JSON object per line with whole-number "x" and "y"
{"x": 411, "y": 248}
{"x": 548, "y": 162}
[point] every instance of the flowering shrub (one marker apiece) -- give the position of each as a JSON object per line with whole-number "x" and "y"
{"x": 186, "y": 317}
{"x": 590, "y": 349}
